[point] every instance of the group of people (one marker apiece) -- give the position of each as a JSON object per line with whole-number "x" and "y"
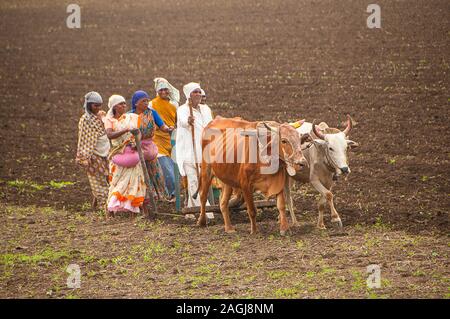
{"x": 108, "y": 153}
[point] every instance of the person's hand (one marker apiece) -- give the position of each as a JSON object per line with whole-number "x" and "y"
{"x": 134, "y": 131}
{"x": 170, "y": 129}
{"x": 101, "y": 114}
{"x": 83, "y": 162}
{"x": 191, "y": 120}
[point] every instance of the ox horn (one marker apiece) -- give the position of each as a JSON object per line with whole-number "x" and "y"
{"x": 270, "y": 128}
{"x": 305, "y": 138}
{"x": 349, "y": 125}
{"x": 316, "y": 132}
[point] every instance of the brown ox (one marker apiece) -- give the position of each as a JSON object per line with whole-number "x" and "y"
{"x": 247, "y": 174}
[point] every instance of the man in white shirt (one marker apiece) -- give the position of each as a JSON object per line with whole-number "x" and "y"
{"x": 189, "y": 156}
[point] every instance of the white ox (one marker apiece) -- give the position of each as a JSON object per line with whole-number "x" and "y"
{"x": 327, "y": 158}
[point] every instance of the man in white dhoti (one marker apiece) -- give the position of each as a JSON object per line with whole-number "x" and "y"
{"x": 188, "y": 159}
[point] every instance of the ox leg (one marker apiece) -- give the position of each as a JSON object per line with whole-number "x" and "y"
{"x": 290, "y": 202}
{"x": 322, "y": 204}
{"x": 251, "y": 210}
{"x": 335, "y": 218}
{"x": 326, "y": 193}
{"x": 224, "y": 199}
{"x": 204, "y": 183}
{"x": 281, "y": 205}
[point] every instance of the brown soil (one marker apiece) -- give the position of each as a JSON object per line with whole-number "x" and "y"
{"x": 274, "y": 60}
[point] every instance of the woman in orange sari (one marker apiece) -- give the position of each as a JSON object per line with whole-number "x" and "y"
{"x": 165, "y": 104}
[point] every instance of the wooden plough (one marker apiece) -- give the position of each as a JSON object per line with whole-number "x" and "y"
{"x": 216, "y": 208}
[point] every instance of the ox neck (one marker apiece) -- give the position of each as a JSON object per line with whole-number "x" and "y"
{"x": 329, "y": 164}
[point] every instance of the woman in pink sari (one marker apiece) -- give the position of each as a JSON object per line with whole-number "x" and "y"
{"x": 127, "y": 185}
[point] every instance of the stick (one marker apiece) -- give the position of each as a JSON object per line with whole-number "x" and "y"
{"x": 176, "y": 173}
{"x": 135, "y": 132}
{"x": 193, "y": 143}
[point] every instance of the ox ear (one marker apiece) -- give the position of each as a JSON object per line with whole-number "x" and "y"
{"x": 352, "y": 144}
{"x": 305, "y": 138}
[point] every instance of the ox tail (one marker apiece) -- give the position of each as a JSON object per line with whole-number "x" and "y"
{"x": 195, "y": 195}
{"x": 208, "y": 177}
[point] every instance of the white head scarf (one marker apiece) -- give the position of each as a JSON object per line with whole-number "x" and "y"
{"x": 113, "y": 101}
{"x": 203, "y": 92}
{"x": 91, "y": 97}
{"x": 159, "y": 85}
{"x": 189, "y": 88}
{"x": 174, "y": 94}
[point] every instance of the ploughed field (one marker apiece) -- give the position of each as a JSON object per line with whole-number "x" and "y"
{"x": 272, "y": 60}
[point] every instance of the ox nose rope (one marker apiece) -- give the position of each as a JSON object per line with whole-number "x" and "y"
{"x": 332, "y": 164}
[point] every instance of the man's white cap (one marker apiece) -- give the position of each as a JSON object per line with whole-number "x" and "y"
{"x": 189, "y": 88}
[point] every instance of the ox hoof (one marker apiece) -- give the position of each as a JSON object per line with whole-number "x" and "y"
{"x": 321, "y": 227}
{"x": 283, "y": 233}
{"x": 201, "y": 223}
{"x": 337, "y": 223}
{"x": 230, "y": 230}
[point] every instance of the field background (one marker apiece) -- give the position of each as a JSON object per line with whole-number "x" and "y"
{"x": 273, "y": 60}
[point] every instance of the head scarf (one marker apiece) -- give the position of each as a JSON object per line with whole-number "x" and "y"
{"x": 174, "y": 94}
{"x": 136, "y": 97}
{"x": 203, "y": 92}
{"x": 113, "y": 101}
{"x": 91, "y": 97}
{"x": 189, "y": 88}
{"x": 159, "y": 85}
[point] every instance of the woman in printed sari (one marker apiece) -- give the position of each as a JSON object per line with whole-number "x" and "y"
{"x": 93, "y": 148}
{"x": 127, "y": 185}
{"x": 147, "y": 118}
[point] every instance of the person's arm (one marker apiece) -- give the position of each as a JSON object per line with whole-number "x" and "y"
{"x": 166, "y": 129}
{"x": 109, "y": 128}
{"x": 183, "y": 117}
{"x": 160, "y": 123}
{"x": 86, "y": 144}
{"x": 112, "y": 135}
